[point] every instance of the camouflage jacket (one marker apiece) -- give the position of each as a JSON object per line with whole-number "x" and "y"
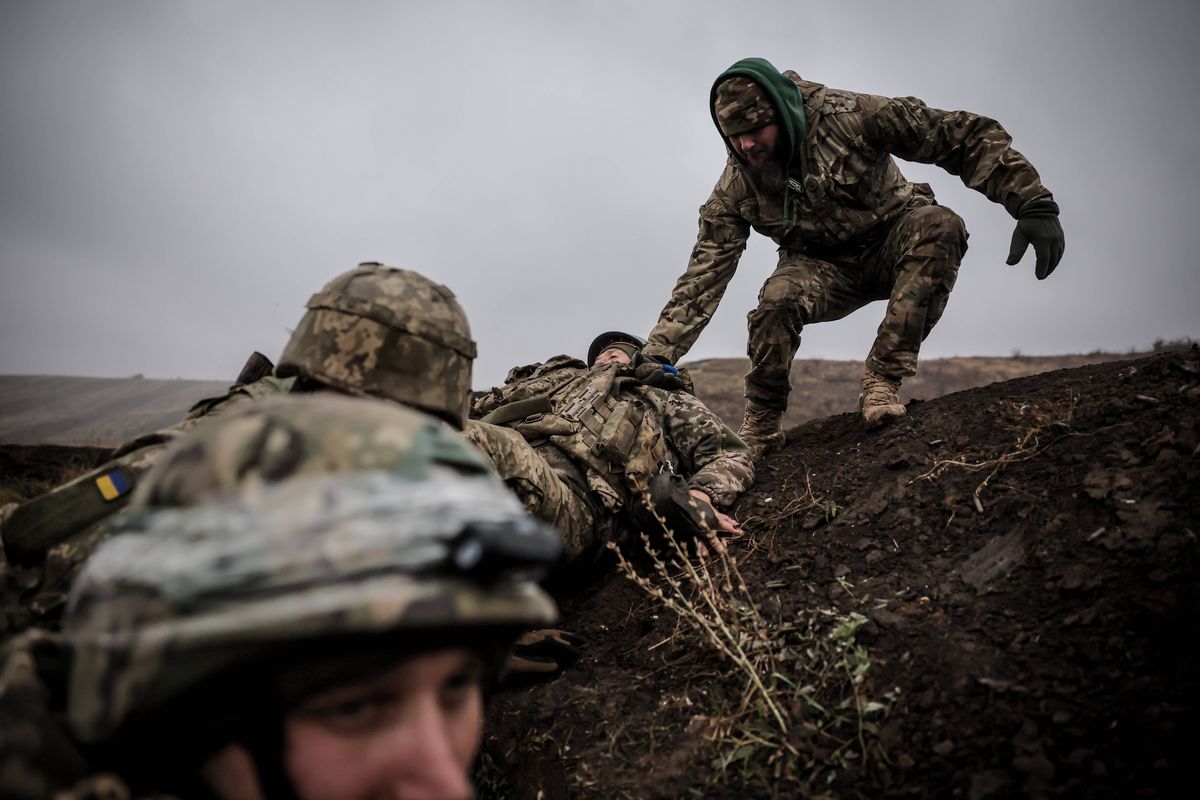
{"x": 621, "y": 432}
{"x": 38, "y": 756}
{"x": 850, "y": 192}
{"x": 46, "y": 539}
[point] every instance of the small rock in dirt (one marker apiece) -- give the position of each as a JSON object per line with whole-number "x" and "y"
{"x": 990, "y": 783}
{"x": 905, "y": 761}
{"x": 1097, "y": 484}
{"x": 1035, "y": 766}
{"x": 944, "y": 748}
{"x": 841, "y": 571}
{"x": 887, "y": 618}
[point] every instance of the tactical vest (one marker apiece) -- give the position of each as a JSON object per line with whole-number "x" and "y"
{"x": 595, "y": 418}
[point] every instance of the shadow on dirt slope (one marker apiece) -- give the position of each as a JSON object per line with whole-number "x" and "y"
{"x": 993, "y": 598}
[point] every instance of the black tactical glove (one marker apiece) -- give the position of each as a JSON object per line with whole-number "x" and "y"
{"x": 1037, "y": 223}
{"x": 656, "y": 371}
{"x": 541, "y": 653}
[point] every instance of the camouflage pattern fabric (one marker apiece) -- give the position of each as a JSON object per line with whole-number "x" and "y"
{"x": 285, "y": 437}
{"x": 32, "y": 592}
{"x": 551, "y": 487}
{"x": 603, "y": 438}
{"x": 741, "y": 105}
{"x": 851, "y": 196}
{"x": 386, "y": 332}
{"x": 301, "y": 518}
{"x": 914, "y": 268}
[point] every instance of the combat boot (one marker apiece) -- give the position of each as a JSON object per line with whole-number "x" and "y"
{"x": 878, "y": 401}
{"x": 762, "y": 430}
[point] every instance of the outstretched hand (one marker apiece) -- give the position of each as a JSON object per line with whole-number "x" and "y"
{"x": 726, "y": 524}
{"x": 1038, "y": 225}
{"x": 656, "y": 371}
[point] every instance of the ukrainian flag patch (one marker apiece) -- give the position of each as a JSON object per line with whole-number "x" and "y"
{"x": 112, "y": 485}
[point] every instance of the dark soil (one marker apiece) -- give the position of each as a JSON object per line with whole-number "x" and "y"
{"x": 1040, "y": 638}
{"x": 26, "y": 470}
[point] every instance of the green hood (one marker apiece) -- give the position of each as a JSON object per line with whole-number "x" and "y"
{"x": 788, "y": 102}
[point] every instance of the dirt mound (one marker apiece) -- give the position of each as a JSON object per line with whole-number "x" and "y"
{"x": 993, "y": 598}
{"x": 822, "y": 388}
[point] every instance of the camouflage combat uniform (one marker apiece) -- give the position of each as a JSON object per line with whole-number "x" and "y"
{"x": 850, "y": 228}
{"x": 373, "y": 331}
{"x": 581, "y": 459}
{"x": 262, "y": 538}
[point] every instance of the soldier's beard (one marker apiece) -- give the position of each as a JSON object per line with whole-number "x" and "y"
{"x": 770, "y": 177}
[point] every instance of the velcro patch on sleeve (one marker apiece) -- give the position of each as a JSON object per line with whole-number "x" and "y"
{"x": 113, "y": 484}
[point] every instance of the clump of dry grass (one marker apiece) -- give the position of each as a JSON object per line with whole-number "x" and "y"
{"x": 805, "y": 679}
{"x": 1035, "y": 425}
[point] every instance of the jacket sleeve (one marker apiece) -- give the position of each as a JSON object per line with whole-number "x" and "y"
{"x": 713, "y": 457}
{"x": 973, "y": 147}
{"x": 719, "y": 245}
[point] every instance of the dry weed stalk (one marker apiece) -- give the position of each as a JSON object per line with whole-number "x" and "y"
{"x": 1037, "y": 427}
{"x": 788, "y": 667}
{"x": 735, "y": 629}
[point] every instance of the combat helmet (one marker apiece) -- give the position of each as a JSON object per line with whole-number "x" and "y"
{"x": 610, "y": 338}
{"x": 312, "y": 519}
{"x": 386, "y": 332}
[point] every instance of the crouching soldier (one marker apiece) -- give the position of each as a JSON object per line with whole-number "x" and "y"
{"x": 593, "y": 450}
{"x": 374, "y": 331}
{"x": 304, "y": 600}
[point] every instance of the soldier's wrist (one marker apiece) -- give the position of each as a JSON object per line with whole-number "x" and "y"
{"x": 1043, "y": 206}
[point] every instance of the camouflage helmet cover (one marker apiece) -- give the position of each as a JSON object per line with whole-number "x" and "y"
{"x": 179, "y": 595}
{"x": 390, "y": 333}
{"x": 741, "y": 105}
{"x": 289, "y": 436}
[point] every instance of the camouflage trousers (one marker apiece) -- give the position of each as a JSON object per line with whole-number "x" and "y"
{"x": 912, "y": 265}
{"x": 545, "y": 493}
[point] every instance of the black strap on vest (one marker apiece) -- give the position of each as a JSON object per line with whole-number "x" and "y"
{"x": 519, "y": 409}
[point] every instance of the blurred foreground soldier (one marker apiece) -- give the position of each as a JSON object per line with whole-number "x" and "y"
{"x": 375, "y": 331}
{"x": 594, "y": 450}
{"x": 304, "y": 600}
{"x": 812, "y": 168}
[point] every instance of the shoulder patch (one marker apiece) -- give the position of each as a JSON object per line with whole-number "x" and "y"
{"x": 113, "y": 484}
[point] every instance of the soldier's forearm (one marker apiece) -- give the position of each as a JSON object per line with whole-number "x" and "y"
{"x": 724, "y": 479}
{"x": 976, "y": 148}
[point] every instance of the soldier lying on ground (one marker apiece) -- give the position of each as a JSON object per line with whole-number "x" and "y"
{"x": 303, "y": 600}
{"x": 585, "y": 446}
{"x": 811, "y": 167}
{"x": 373, "y": 331}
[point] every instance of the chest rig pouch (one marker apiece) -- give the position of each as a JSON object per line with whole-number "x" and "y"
{"x": 601, "y": 424}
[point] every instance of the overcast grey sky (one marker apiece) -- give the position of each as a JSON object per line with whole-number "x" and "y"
{"x": 176, "y": 178}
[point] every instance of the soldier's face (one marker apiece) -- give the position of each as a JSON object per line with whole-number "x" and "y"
{"x": 757, "y": 147}
{"x": 411, "y": 731}
{"x": 612, "y": 355}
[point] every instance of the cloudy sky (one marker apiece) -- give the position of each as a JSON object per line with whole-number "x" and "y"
{"x": 176, "y": 178}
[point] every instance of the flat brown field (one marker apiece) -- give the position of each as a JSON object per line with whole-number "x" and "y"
{"x": 93, "y": 412}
